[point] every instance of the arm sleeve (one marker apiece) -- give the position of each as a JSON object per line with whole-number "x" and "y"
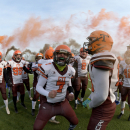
{"x": 26, "y": 70}
{"x": 101, "y": 87}
{"x": 40, "y": 84}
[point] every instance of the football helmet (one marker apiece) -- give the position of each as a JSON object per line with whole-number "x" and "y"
{"x": 17, "y": 56}
{"x": 38, "y": 56}
{"x": 62, "y": 49}
{"x": 98, "y": 41}
{"x": 72, "y": 58}
{"x": 0, "y": 56}
{"x": 49, "y": 53}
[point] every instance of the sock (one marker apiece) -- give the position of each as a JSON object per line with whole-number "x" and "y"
{"x": 76, "y": 102}
{"x": 81, "y": 99}
{"x": 122, "y": 111}
{"x": 76, "y": 94}
{"x": 18, "y": 95}
{"x": 119, "y": 97}
{"x": 14, "y": 101}
{"x": 122, "y": 104}
{"x": 22, "y": 98}
{"x": 83, "y": 93}
{"x": 6, "y": 103}
{"x": 33, "y": 104}
{"x": 39, "y": 105}
{"x": 29, "y": 93}
{"x": 116, "y": 95}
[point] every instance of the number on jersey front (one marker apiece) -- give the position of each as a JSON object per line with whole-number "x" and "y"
{"x": 17, "y": 71}
{"x": 60, "y": 83}
{"x": 1, "y": 71}
{"x": 83, "y": 65}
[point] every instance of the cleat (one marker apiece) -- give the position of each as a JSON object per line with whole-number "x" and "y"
{"x": 33, "y": 112}
{"x": 54, "y": 121}
{"x": 117, "y": 102}
{"x": 129, "y": 118}
{"x": 30, "y": 98}
{"x": 7, "y": 110}
{"x": 120, "y": 115}
{"x": 23, "y": 105}
{"x": 75, "y": 106}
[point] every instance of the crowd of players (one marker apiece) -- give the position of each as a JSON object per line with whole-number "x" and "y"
{"x": 59, "y": 76}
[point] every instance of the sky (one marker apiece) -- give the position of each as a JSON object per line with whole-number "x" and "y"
{"x": 30, "y": 24}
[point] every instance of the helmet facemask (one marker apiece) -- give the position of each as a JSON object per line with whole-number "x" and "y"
{"x": 98, "y": 41}
{"x": 18, "y": 57}
{"x": 61, "y": 60}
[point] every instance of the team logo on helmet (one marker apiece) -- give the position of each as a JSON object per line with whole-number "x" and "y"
{"x": 98, "y": 41}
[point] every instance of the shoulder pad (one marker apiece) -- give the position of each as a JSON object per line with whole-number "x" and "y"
{"x": 103, "y": 56}
{"x": 72, "y": 70}
{"x": 104, "y": 64}
{"x": 45, "y": 68}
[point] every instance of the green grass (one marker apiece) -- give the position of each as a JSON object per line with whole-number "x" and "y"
{"x": 23, "y": 120}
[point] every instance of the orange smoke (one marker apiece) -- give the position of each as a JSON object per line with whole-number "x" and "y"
{"x": 38, "y": 29}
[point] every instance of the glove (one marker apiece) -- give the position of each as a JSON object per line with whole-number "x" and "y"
{"x": 86, "y": 102}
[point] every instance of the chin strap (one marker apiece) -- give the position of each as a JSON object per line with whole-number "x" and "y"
{"x": 61, "y": 68}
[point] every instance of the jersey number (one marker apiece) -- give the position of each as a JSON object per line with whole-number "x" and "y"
{"x": 0, "y": 71}
{"x": 17, "y": 71}
{"x": 83, "y": 65}
{"x": 60, "y": 83}
{"x": 127, "y": 73}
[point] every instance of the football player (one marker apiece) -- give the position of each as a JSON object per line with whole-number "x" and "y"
{"x": 81, "y": 64}
{"x": 125, "y": 72}
{"x": 26, "y": 78}
{"x": 103, "y": 70}
{"x": 3, "y": 65}
{"x": 56, "y": 76}
{"x": 119, "y": 85}
{"x": 35, "y": 80}
{"x": 14, "y": 79}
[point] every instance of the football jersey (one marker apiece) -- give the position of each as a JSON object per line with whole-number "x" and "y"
{"x": 45, "y": 61}
{"x": 82, "y": 65}
{"x": 16, "y": 71}
{"x": 34, "y": 69}
{"x": 107, "y": 84}
{"x": 56, "y": 80}
{"x": 2, "y": 66}
{"x": 125, "y": 71}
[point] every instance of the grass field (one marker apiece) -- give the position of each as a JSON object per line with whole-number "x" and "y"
{"x": 23, "y": 120}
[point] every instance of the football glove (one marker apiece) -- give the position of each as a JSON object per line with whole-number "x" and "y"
{"x": 86, "y": 102}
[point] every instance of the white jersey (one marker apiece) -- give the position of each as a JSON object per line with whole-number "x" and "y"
{"x": 16, "y": 70}
{"x": 103, "y": 81}
{"x": 24, "y": 74}
{"x": 45, "y": 61}
{"x": 2, "y": 66}
{"x": 82, "y": 65}
{"x": 125, "y": 71}
{"x": 57, "y": 80}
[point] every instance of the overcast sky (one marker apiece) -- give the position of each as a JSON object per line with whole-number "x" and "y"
{"x": 14, "y": 14}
